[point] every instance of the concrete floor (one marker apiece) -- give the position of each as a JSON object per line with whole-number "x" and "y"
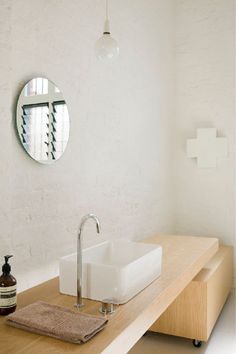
{"x": 222, "y": 340}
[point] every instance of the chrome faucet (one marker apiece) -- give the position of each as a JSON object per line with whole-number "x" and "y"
{"x": 79, "y": 256}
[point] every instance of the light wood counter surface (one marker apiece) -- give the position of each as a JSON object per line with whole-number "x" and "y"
{"x": 183, "y": 258}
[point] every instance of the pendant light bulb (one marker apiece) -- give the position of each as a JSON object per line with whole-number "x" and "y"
{"x": 106, "y": 47}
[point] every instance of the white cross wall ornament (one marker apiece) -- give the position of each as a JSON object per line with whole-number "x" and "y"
{"x": 207, "y": 147}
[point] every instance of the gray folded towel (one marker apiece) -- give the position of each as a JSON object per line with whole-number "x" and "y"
{"x": 56, "y": 321}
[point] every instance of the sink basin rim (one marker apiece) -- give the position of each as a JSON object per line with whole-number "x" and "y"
{"x": 153, "y": 248}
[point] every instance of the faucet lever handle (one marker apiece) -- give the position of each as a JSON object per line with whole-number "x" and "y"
{"x": 107, "y": 306}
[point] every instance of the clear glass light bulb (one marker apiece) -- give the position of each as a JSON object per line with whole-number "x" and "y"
{"x": 106, "y": 47}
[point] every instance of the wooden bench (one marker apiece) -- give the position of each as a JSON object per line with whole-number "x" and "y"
{"x": 194, "y": 312}
{"x": 183, "y": 257}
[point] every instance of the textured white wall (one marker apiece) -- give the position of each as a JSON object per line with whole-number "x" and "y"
{"x": 205, "y": 97}
{"x": 127, "y": 141}
{"x": 117, "y": 160}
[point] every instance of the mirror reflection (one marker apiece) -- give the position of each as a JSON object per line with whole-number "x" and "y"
{"x": 42, "y": 120}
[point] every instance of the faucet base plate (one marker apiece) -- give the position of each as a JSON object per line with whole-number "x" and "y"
{"x": 79, "y": 305}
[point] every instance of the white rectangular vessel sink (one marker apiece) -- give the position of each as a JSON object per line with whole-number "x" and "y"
{"x": 115, "y": 270}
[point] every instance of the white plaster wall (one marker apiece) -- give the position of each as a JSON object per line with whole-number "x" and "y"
{"x": 205, "y": 97}
{"x": 117, "y": 163}
{"x": 126, "y": 158}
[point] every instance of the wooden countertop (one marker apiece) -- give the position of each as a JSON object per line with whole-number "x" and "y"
{"x": 183, "y": 258}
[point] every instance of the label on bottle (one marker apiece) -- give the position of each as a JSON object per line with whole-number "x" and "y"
{"x": 7, "y": 296}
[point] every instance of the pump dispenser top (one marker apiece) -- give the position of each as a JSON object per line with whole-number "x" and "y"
{"x": 6, "y": 268}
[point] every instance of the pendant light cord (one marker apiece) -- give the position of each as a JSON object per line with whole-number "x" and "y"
{"x": 107, "y": 9}
{"x": 106, "y": 26}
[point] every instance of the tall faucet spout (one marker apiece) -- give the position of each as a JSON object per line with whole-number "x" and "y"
{"x": 79, "y": 255}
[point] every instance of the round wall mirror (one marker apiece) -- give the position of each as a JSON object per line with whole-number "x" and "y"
{"x": 42, "y": 120}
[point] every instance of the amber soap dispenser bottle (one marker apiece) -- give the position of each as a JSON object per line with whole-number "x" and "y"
{"x": 7, "y": 289}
